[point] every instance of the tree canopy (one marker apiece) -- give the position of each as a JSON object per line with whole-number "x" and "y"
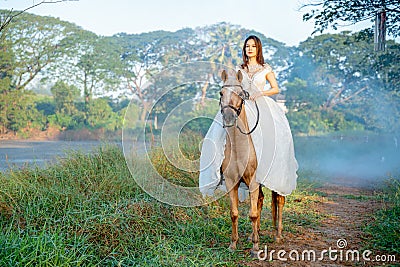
{"x": 331, "y": 82}
{"x": 336, "y": 13}
{"x": 7, "y": 17}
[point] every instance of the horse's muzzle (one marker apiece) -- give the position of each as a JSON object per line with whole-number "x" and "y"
{"x": 228, "y": 125}
{"x": 229, "y": 119}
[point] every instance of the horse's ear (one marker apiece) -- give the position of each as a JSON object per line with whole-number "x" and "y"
{"x": 224, "y": 76}
{"x": 239, "y": 76}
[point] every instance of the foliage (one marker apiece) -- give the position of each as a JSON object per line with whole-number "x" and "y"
{"x": 100, "y": 115}
{"x": 145, "y": 55}
{"x": 328, "y": 13}
{"x": 204, "y": 115}
{"x": 35, "y": 47}
{"x": 45, "y": 105}
{"x": 97, "y": 63}
{"x": 224, "y": 41}
{"x": 318, "y": 122}
{"x": 19, "y": 112}
{"x": 388, "y": 66}
{"x": 343, "y": 85}
{"x": 9, "y": 16}
{"x": 7, "y": 59}
{"x": 65, "y": 96}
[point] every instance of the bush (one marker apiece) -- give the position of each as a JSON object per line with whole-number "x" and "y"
{"x": 317, "y": 121}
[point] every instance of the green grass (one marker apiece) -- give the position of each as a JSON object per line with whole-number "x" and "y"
{"x": 87, "y": 210}
{"x": 385, "y": 229}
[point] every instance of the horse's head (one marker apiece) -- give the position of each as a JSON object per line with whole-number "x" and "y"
{"x": 232, "y": 97}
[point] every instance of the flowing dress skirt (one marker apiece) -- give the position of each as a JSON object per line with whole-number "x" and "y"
{"x": 273, "y": 144}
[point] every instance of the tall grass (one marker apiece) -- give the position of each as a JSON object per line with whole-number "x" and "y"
{"x": 385, "y": 230}
{"x": 87, "y": 210}
{"x": 164, "y": 159}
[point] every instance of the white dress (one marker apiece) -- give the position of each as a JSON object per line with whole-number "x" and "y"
{"x": 272, "y": 140}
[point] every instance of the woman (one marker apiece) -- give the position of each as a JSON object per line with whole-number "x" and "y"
{"x": 272, "y": 138}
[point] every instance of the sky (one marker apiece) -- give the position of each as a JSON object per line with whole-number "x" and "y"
{"x": 278, "y": 19}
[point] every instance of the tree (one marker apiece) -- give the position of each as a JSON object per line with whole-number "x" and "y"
{"x": 7, "y": 59}
{"x": 30, "y": 46}
{"x": 330, "y": 13}
{"x": 225, "y": 41}
{"x": 20, "y": 112}
{"x": 7, "y": 17}
{"x": 336, "y": 80}
{"x": 37, "y": 42}
{"x": 65, "y": 97}
{"x": 340, "y": 75}
{"x": 96, "y": 67}
{"x": 101, "y": 115}
{"x": 90, "y": 63}
{"x": 388, "y": 66}
{"x": 144, "y": 56}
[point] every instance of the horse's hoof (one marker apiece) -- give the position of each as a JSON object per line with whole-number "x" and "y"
{"x": 250, "y": 237}
{"x": 232, "y": 248}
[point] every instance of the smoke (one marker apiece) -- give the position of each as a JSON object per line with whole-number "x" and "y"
{"x": 361, "y": 160}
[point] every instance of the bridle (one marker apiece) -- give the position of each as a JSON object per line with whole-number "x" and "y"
{"x": 244, "y": 95}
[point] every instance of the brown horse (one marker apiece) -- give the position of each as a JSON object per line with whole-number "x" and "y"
{"x": 240, "y": 162}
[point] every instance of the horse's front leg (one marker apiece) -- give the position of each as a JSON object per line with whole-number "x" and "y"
{"x": 255, "y": 215}
{"x": 234, "y": 200}
{"x": 280, "y": 203}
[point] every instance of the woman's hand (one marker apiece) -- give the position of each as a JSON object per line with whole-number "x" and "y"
{"x": 255, "y": 95}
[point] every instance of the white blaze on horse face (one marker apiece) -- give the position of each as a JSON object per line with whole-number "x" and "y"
{"x": 228, "y": 114}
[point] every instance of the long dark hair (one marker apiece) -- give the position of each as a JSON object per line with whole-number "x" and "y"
{"x": 259, "y": 57}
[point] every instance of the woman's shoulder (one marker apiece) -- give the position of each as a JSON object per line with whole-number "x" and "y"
{"x": 267, "y": 68}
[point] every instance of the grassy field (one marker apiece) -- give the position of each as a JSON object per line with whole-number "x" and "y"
{"x": 385, "y": 231}
{"x": 87, "y": 210}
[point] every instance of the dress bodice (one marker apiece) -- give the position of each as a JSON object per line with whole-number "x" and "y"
{"x": 257, "y": 81}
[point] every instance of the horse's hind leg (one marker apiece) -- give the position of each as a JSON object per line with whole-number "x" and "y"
{"x": 274, "y": 206}
{"x": 259, "y": 206}
{"x": 281, "y": 203}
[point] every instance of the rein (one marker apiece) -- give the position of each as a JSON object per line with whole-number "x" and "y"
{"x": 244, "y": 95}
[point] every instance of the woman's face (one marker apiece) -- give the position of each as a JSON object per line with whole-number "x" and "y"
{"x": 251, "y": 48}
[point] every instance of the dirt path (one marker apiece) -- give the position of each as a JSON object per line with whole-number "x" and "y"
{"x": 345, "y": 211}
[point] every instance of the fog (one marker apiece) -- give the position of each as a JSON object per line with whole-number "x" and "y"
{"x": 352, "y": 160}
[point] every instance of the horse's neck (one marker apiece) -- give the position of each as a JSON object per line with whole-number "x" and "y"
{"x": 240, "y": 145}
{"x": 242, "y": 123}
